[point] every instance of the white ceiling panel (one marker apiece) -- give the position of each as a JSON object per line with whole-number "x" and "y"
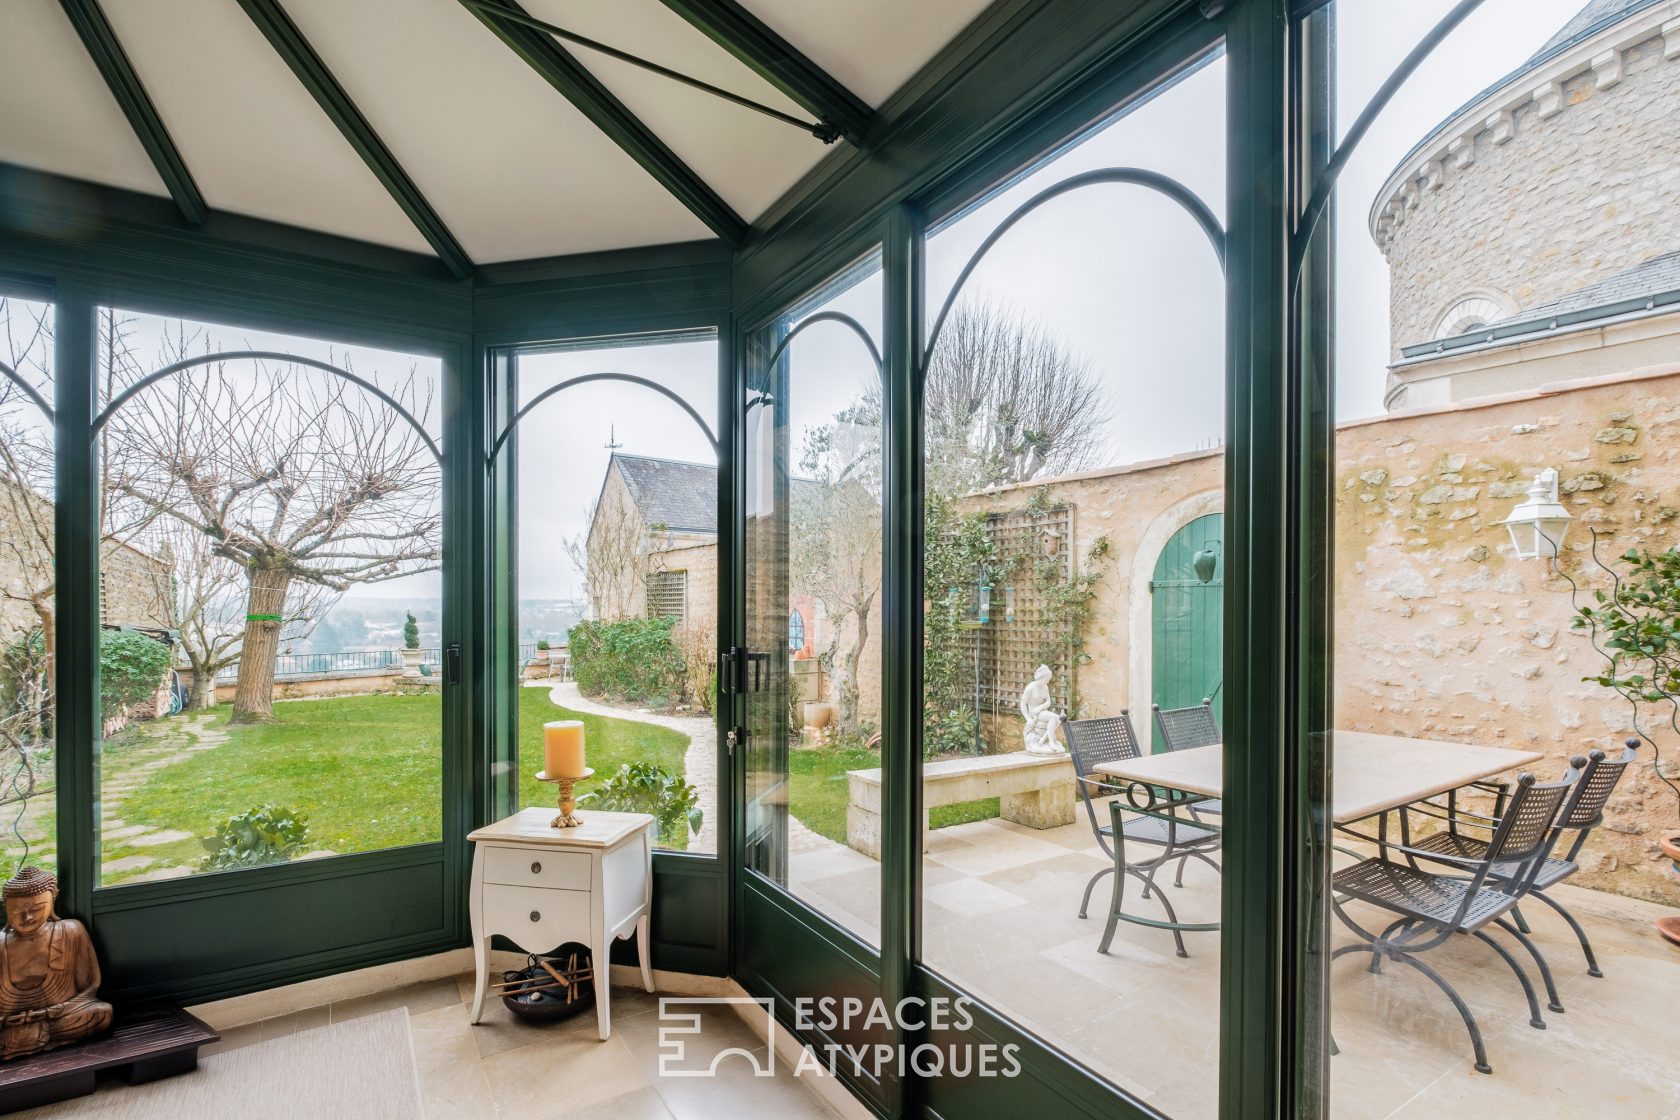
{"x": 870, "y": 46}
{"x": 749, "y": 159}
{"x": 56, "y": 113}
{"x": 255, "y": 140}
{"x": 510, "y": 166}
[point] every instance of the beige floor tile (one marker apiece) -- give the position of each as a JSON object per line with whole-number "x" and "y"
{"x": 426, "y": 996}
{"x": 452, "y": 1081}
{"x": 549, "y": 1079}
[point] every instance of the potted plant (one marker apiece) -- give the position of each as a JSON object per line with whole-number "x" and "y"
{"x": 411, "y": 645}
{"x": 542, "y": 649}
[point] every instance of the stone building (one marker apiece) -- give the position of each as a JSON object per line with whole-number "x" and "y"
{"x": 1532, "y": 236}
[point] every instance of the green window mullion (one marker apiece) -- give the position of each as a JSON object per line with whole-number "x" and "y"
{"x": 76, "y": 597}
{"x": 1259, "y": 1044}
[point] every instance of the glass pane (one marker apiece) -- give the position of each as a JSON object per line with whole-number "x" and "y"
{"x": 28, "y": 820}
{"x": 1074, "y": 582}
{"x": 1506, "y": 354}
{"x": 813, "y": 601}
{"x": 617, "y": 599}
{"x": 270, "y": 599}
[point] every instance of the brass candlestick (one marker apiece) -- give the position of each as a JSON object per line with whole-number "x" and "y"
{"x": 568, "y": 818}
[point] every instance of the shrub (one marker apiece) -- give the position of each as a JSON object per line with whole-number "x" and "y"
{"x": 411, "y": 631}
{"x": 131, "y": 667}
{"x": 634, "y": 660}
{"x": 267, "y": 834}
{"x": 645, "y": 787}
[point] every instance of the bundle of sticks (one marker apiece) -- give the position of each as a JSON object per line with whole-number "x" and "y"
{"x": 571, "y": 981}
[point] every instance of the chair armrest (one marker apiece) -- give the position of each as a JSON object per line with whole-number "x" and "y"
{"x": 1433, "y": 857}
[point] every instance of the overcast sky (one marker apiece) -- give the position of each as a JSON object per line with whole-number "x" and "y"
{"x": 1122, "y": 276}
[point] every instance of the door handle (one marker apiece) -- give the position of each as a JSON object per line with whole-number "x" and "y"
{"x": 452, "y": 663}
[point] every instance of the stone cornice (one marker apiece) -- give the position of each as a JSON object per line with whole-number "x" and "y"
{"x": 1450, "y": 146}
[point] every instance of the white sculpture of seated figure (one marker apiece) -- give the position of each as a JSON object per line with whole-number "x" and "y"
{"x": 1043, "y": 724}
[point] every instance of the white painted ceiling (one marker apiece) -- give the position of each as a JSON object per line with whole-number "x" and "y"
{"x": 511, "y": 167}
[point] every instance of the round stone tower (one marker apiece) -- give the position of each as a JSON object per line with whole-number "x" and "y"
{"x": 1558, "y": 187}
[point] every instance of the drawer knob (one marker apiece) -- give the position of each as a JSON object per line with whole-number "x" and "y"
{"x": 536, "y": 916}
{"x": 536, "y": 868}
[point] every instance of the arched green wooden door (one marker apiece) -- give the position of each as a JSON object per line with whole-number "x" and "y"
{"x": 1188, "y": 620}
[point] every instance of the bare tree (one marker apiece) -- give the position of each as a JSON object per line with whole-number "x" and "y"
{"x": 1006, "y": 402}
{"x": 209, "y": 598}
{"x": 834, "y": 543}
{"x": 299, "y": 478}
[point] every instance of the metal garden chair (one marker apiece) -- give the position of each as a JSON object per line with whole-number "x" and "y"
{"x": 1092, "y": 742}
{"x": 1183, "y": 728}
{"x": 1583, "y": 812}
{"x": 1432, "y": 907}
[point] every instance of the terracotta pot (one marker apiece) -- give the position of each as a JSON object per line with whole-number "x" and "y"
{"x": 1670, "y": 845}
{"x": 818, "y": 714}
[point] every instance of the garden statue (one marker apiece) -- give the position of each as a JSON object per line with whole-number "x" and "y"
{"x": 1043, "y": 723}
{"x": 49, "y": 975}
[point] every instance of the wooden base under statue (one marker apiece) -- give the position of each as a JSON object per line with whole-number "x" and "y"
{"x": 144, "y": 1046}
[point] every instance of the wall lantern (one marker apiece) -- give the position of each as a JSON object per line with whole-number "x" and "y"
{"x": 1537, "y": 526}
{"x": 1206, "y": 561}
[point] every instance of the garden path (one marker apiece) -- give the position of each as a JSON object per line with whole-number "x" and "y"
{"x": 699, "y": 761}
{"x": 191, "y": 736}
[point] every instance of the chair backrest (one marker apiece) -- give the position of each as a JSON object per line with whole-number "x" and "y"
{"x": 1527, "y": 827}
{"x": 1585, "y": 808}
{"x": 1182, "y": 728}
{"x": 1092, "y": 742}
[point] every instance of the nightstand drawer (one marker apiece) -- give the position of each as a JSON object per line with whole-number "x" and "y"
{"x": 526, "y": 867}
{"x": 537, "y": 919}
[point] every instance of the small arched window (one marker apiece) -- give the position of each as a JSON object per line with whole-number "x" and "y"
{"x": 796, "y": 631}
{"x": 1472, "y": 312}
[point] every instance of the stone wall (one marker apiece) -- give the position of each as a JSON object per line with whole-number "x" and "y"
{"x": 1440, "y": 631}
{"x": 1568, "y": 190}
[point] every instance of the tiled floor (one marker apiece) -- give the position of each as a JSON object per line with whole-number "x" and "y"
{"x": 507, "y": 1069}
{"x": 1000, "y": 917}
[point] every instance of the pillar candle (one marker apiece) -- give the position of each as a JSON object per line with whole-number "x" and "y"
{"x": 563, "y": 749}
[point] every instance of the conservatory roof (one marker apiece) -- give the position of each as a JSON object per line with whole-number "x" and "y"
{"x": 459, "y": 128}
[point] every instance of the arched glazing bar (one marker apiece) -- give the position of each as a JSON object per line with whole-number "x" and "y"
{"x": 1319, "y": 200}
{"x": 265, "y": 355}
{"x": 502, "y": 438}
{"x": 810, "y": 321}
{"x": 29, "y": 390}
{"x": 1130, "y": 176}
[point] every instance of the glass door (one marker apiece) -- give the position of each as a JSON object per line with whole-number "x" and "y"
{"x": 809, "y": 675}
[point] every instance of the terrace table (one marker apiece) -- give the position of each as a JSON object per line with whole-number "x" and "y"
{"x": 1372, "y": 775}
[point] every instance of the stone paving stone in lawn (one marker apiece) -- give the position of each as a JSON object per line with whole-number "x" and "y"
{"x": 167, "y": 836}
{"x": 127, "y": 863}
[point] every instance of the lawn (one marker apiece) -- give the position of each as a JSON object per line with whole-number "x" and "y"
{"x": 366, "y": 771}
{"x": 817, "y": 791}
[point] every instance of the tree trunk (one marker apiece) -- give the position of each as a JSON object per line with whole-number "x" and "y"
{"x": 847, "y": 686}
{"x": 47, "y": 616}
{"x": 202, "y": 695}
{"x": 265, "y": 605}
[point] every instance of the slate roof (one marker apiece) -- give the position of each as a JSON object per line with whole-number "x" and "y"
{"x": 1586, "y": 20}
{"x": 1659, "y": 274}
{"x": 678, "y": 495}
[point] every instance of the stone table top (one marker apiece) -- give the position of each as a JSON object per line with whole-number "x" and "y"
{"x": 1373, "y": 773}
{"x": 599, "y": 829}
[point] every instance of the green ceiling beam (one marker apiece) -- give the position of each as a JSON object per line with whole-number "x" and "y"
{"x": 566, "y": 74}
{"x": 774, "y": 59}
{"x": 291, "y": 46}
{"x": 108, "y": 55}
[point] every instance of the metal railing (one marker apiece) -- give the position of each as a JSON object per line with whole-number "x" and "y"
{"x": 349, "y": 661}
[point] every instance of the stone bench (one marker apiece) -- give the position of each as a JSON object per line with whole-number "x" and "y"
{"x": 1036, "y": 790}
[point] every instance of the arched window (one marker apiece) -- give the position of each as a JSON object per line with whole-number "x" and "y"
{"x": 1472, "y": 312}
{"x": 796, "y": 631}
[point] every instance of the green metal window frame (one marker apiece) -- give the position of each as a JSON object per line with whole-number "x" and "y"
{"x": 1026, "y": 76}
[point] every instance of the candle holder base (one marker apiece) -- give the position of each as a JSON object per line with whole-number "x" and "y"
{"x": 567, "y": 803}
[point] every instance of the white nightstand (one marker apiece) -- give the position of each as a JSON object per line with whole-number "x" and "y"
{"x": 541, "y": 887}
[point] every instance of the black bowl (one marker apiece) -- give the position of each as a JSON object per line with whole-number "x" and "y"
{"x": 552, "y": 1004}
